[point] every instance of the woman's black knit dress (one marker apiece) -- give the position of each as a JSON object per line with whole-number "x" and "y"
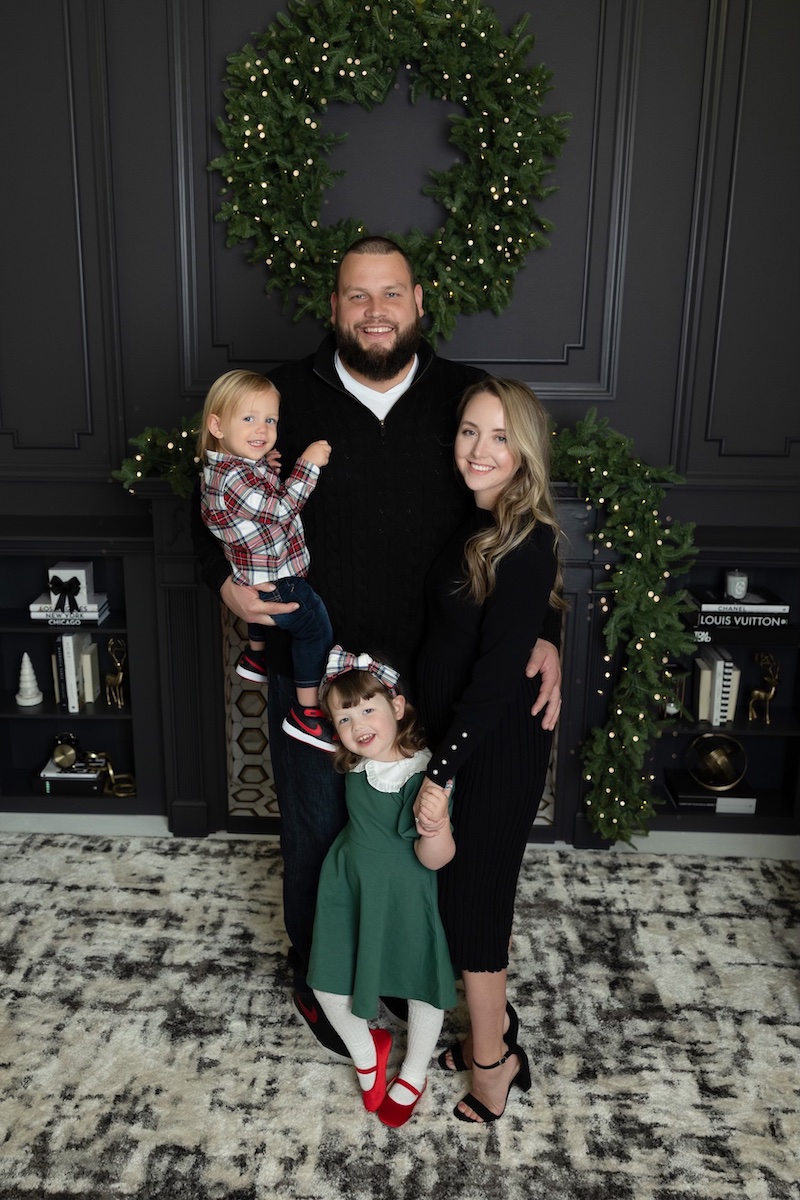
{"x": 475, "y": 702}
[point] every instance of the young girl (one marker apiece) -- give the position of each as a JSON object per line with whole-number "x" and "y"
{"x": 377, "y": 929}
{"x": 487, "y": 596}
{"x": 257, "y": 518}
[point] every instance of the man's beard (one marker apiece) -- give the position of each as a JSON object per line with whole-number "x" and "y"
{"x": 374, "y": 363}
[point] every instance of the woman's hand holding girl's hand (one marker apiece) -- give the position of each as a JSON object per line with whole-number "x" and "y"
{"x": 318, "y": 453}
{"x": 431, "y": 808}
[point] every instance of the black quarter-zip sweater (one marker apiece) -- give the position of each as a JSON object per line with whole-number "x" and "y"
{"x": 384, "y": 506}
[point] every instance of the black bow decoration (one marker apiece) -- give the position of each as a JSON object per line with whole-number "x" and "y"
{"x": 66, "y": 590}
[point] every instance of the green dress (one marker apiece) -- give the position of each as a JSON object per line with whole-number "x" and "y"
{"x": 377, "y": 930}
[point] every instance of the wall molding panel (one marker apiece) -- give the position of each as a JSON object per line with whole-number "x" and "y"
{"x": 61, "y": 413}
{"x": 735, "y": 416}
{"x": 668, "y": 298}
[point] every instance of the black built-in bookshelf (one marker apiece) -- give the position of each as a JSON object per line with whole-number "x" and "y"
{"x": 770, "y": 559}
{"x": 129, "y": 738}
{"x": 171, "y": 733}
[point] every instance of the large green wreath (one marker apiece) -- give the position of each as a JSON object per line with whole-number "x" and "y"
{"x": 276, "y": 171}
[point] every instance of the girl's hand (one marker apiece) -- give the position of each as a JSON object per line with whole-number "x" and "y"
{"x": 318, "y": 453}
{"x": 273, "y": 459}
{"x": 431, "y": 808}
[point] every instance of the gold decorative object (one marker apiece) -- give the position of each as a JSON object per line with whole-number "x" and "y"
{"x": 716, "y": 761}
{"x": 118, "y": 652}
{"x": 771, "y": 668}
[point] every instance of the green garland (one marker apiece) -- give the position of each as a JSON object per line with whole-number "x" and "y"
{"x": 643, "y": 614}
{"x": 276, "y": 172}
{"x": 167, "y": 454}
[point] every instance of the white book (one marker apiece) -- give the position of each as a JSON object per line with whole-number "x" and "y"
{"x": 722, "y": 669}
{"x": 736, "y": 805}
{"x": 753, "y": 602}
{"x": 736, "y": 676}
{"x": 702, "y": 688}
{"x": 70, "y": 674}
{"x": 713, "y": 658}
{"x": 73, "y": 645}
{"x": 90, "y": 665}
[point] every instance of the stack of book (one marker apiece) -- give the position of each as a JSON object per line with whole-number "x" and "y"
{"x": 81, "y": 780}
{"x": 715, "y": 617}
{"x": 739, "y": 800}
{"x": 70, "y": 598}
{"x": 94, "y": 611}
{"x": 76, "y": 671}
{"x": 716, "y": 682}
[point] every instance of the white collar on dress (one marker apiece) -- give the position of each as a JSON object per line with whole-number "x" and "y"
{"x": 390, "y": 776}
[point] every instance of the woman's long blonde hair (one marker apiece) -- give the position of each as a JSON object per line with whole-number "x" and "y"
{"x": 526, "y": 500}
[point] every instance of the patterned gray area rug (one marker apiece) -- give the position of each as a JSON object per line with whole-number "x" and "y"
{"x": 149, "y": 1049}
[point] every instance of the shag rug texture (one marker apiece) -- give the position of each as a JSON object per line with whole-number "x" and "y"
{"x": 150, "y": 1050}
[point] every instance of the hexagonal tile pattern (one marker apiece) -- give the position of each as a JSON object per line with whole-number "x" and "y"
{"x": 251, "y": 788}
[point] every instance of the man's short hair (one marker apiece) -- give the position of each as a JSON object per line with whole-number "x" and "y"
{"x": 375, "y": 244}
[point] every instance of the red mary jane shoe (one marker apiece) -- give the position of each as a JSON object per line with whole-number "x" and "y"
{"x": 383, "y": 1048}
{"x": 393, "y": 1114}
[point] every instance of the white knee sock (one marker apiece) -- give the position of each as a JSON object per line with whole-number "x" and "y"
{"x": 354, "y": 1032}
{"x": 424, "y": 1027}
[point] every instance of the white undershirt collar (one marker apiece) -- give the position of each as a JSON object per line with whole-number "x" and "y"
{"x": 378, "y": 403}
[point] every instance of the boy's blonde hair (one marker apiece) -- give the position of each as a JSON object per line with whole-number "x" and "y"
{"x": 224, "y": 397}
{"x": 350, "y": 689}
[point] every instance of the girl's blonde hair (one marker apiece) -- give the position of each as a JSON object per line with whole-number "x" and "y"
{"x": 350, "y": 689}
{"x": 526, "y": 499}
{"x": 224, "y": 397}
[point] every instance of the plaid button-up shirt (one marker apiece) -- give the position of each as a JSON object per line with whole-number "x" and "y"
{"x": 257, "y": 516}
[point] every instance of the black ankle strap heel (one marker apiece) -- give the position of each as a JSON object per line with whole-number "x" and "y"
{"x": 521, "y": 1080}
{"x": 500, "y": 1062}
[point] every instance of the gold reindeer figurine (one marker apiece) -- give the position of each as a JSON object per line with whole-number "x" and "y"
{"x": 118, "y": 651}
{"x": 771, "y": 669}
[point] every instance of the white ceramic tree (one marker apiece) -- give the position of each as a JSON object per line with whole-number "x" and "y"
{"x": 29, "y": 693}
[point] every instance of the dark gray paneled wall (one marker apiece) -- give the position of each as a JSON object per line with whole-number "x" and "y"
{"x": 669, "y": 297}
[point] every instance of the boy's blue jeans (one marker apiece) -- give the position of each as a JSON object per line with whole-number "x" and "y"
{"x": 309, "y": 626}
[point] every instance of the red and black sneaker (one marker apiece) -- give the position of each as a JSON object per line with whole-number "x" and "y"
{"x": 252, "y": 665}
{"x": 308, "y": 1008}
{"x": 309, "y": 725}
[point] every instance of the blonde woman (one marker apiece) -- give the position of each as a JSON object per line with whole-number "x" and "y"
{"x": 487, "y": 596}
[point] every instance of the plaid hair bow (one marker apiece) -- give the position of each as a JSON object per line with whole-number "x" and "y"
{"x": 340, "y": 661}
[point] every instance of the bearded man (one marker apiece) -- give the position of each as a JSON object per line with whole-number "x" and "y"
{"x": 382, "y": 509}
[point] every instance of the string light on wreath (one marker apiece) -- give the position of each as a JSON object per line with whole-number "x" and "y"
{"x": 275, "y": 166}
